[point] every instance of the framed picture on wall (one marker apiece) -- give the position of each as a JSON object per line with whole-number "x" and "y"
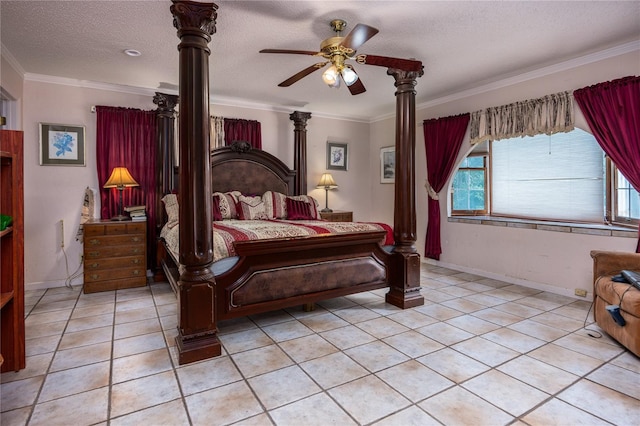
{"x": 61, "y": 145}
{"x": 388, "y": 164}
{"x": 337, "y": 156}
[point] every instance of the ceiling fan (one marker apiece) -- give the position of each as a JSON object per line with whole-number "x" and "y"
{"x": 338, "y": 50}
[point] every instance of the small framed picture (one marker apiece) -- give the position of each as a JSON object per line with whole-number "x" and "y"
{"x": 337, "y": 156}
{"x": 61, "y": 145}
{"x": 388, "y": 164}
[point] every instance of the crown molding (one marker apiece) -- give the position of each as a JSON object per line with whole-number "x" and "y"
{"x": 611, "y": 52}
{"x": 87, "y": 84}
{"x": 622, "y": 49}
{"x": 287, "y": 109}
{"x": 6, "y": 54}
{"x": 147, "y": 91}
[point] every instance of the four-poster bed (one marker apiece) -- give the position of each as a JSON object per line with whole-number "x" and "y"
{"x": 276, "y": 273}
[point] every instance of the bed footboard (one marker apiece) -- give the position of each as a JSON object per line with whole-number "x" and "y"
{"x": 287, "y": 272}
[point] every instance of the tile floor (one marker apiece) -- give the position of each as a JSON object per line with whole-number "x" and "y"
{"x": 479, "y": 352}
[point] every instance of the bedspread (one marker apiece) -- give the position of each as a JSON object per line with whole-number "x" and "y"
{"x": 226, "y": 232}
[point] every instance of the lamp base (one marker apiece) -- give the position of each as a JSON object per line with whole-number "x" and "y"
{"x": 120, "y": 218}
{"x": 326, "y": 210}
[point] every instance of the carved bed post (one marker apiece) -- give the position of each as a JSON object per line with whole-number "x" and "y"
{"x": 197, "y": 329}
{"x": 405, "y": 288}
{"x": 300, "y": 150}
{"x": 165, "y": 125}
{"x": 165, "y": 131}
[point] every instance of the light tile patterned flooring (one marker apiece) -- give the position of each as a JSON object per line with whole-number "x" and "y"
{"x": 479, "y": 352}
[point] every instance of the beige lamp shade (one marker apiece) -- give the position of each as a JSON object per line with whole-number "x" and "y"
{"x": 327, "y": 182}
{"x": 120, "y": 178}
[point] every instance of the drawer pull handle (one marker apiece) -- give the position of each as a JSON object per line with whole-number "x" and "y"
{"x": 95, "y": 276}
{"x": 135, "y": 261}
{"x": 94, "y": 241}
{"x": 94, "y": 253}
{"x": 136, "y": 239}
{"x": 94, "y": 265}
{"x": 136, "y": 272}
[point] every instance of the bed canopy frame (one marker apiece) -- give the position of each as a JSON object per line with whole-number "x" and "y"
{"x": 197, "y": 297}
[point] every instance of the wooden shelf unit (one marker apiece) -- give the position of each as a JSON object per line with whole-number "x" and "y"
{"x": 12, "y": 347}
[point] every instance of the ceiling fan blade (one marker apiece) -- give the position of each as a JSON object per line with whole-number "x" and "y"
{"x": 357, "y": 86}
{"x": 294, "y": 52}
{"x": 385, "y": 61}
{"x": 358, "y": 36}
{"x": 300, "y": 75}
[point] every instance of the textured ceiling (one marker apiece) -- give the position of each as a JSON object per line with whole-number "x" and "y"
{"x": 461, "y": 44}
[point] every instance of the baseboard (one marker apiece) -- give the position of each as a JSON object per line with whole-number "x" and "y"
{"x": 511, "y": 280}
{"x": 43, "y": 285}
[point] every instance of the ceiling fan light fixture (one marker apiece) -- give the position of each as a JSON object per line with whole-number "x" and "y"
{"x": 349, "y": 76}
{"x": 330, "y": 77}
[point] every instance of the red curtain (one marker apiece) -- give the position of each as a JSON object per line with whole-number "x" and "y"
{"x": 442, "y": 141}
{"x": 236, "y": 129}
{"x": 126, "y": 137}
{"x": 612, "y": 110}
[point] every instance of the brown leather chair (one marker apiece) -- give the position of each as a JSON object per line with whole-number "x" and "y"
{"x": 606, "y": 264}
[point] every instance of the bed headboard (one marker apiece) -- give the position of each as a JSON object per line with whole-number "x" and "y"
{"x": 239, "y": 167}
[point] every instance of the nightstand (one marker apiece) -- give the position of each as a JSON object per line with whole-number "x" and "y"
{"x": 337, "y": 216}
{"x": 115, "y": 255}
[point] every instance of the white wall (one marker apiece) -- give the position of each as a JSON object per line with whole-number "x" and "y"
{"x": 55, "y": 193}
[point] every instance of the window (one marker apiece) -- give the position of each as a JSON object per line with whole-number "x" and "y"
{"x": 625, "y": 201}
{"x": 562, "y": 177}
{"x": 469, "y": 183}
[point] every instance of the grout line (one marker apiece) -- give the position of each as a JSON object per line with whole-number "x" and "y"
{"x": 364, "y": 302}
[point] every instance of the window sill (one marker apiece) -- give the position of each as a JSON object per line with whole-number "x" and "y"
{"x": 575, "y": 228}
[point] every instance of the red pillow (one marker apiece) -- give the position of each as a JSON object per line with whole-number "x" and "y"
{"x": 297, "y": 210}
{"x": 217, "y": 214}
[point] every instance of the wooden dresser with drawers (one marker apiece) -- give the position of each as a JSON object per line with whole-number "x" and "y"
{"x": 115, "y": 255}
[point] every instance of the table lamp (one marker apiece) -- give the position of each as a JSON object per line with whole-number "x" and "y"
{"x": 120, "y": 178}
{"x": 326, "y": 182}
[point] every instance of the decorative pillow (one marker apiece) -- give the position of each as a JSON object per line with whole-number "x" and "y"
{"x": 251, "y": 208}
{"x": 217, "y": 215}
{"x": 275, "y": 205}
{"x": 173, "y": 211}
{"x": 228, "y": 201}
{"x": 298, "y": 210}
{"x": 313, "y": 205}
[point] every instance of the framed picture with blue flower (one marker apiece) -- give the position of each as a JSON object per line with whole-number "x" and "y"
{"x": 61, "y": 145}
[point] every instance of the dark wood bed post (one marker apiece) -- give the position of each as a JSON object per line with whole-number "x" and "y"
{"x": 404, "y": 291}
{"x": 197, "y": 328}
{"x": 300, "y": 150}
{"x": 165, "y": 126}
{"x": 165, "y": 131}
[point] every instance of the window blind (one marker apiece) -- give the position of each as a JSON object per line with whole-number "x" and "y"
{"x": 551, "y": 177}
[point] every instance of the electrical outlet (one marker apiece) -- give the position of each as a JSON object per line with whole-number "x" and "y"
{"x": 580, "y": 292}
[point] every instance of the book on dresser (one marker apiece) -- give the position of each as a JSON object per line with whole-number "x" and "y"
{"x": 137, "y": 213}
